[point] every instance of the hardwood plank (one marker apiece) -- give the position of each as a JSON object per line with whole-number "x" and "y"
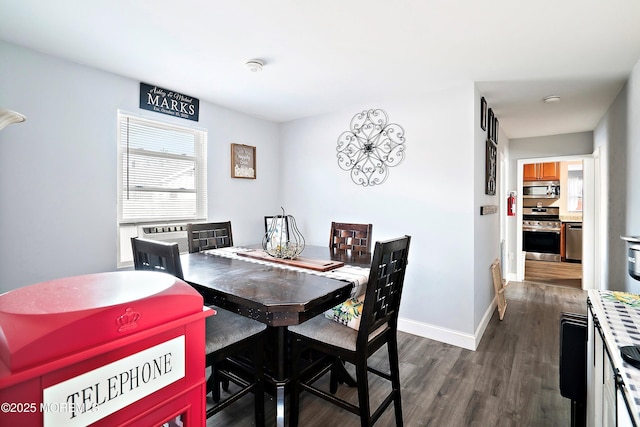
{"x": 554, "y": 273}
{"x": 511, "y": 380}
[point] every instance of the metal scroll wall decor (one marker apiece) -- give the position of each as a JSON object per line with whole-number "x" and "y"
{"x": 370, "y": 147}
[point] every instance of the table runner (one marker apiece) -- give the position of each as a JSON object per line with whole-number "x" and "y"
{"x": 622, "y": 327}
{"x": 358, "y": 276}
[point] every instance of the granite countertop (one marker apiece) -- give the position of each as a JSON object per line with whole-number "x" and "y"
{"x": 571, "y": 218}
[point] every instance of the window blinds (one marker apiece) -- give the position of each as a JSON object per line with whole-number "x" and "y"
{"x": 574, "y": 191}
{"x": 162, "y": 171}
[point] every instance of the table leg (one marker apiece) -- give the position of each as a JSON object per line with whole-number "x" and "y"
{"x": 343, "y": 375}
{"x": 282, "y": 375}
{"x": 280, "y": 409}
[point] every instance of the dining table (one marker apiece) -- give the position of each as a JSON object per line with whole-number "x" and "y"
{"x": 276, "y": 293}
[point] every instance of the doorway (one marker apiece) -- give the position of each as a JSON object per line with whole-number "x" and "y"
{"x": 575, "y": 273}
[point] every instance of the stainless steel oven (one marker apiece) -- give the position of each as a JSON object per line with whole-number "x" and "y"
{"x": 541, "y": 233}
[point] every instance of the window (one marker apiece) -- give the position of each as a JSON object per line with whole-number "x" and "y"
{"x": 574, "y": 188}
{"x": 162, "y": 176}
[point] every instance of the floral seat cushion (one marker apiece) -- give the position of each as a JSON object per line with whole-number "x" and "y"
{"x": 347, "y": 313}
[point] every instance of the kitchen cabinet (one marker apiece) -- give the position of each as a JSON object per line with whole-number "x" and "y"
{"x": 549, "y": 171}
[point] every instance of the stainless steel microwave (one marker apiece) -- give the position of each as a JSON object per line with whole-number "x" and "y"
{"x": 541, "y": 190}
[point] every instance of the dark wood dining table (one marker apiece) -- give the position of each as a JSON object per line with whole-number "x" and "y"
{"x": 275, "y": 296}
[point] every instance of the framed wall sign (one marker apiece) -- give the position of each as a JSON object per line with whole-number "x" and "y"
{"x": 172, "y": 103}
{"x": 483, "y": 113}
{"x": 496, "y": 128}
{"x": 490, "y": 123}
{"x": 243, "y": 161}
{"x": 490, "y": 170}
{"x": 488, "y": 209}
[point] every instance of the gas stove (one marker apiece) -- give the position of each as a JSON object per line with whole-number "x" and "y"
{"x": 541, "y": 233}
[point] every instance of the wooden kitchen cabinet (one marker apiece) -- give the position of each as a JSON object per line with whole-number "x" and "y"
{"x": 530, "y": 172}
{"x": 549, "y": 171}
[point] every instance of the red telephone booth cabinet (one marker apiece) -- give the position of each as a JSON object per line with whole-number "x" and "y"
{"x": 120, "y": 348}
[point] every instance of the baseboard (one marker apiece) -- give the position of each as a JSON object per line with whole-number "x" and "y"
{"x": 449, "y": 336}
{"x": 488, "y": 314}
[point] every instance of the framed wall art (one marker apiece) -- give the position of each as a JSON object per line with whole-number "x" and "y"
{"x": 483, "y": 113}
{"x": 490, "y": 170}
{"x": 490, "y": 123}
{"x": 496, "y": 128}
{"x": 243, "y": 161}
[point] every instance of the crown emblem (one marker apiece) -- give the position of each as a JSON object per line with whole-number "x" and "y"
{"x": 128, "y": 321}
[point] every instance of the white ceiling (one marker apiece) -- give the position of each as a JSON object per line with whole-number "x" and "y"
{"x": 324, "y": 55}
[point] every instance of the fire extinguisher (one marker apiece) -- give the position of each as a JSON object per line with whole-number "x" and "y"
{"x": 511, "y": 204}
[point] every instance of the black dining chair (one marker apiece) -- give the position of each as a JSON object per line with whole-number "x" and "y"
{"x": 209, "y": 235}
{"x": 229, "y": 336}
{"x": 156, "y": 256}
{"x": 348, "y": 239}
{"x": 351, "y": 236}
{"x": 378, "y": 326}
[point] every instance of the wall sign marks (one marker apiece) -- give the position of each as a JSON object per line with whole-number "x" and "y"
{"x": 154, "y": 98}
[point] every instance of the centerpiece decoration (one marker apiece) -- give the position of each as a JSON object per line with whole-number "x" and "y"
{"x": 283, "y": 238}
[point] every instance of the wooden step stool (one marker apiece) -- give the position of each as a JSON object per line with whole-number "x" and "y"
{"x": 499, "y": 284}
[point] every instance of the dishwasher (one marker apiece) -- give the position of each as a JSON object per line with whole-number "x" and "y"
{"x": 573, "y": 241}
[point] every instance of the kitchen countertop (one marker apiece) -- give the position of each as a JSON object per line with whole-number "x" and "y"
{"x": 571, "y": 218}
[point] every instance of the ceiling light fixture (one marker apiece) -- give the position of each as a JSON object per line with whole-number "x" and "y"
{"x": 254, "y": 65}
{"x": 551, "y": 99}
{"x": 7, "y": 117}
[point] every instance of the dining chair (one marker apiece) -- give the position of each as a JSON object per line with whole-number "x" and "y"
{"x": 355, "y": 237}
{"x": 378, "y": 326}
{"x": 209, "y": 235}
{"x": 229, "y": 336}
{"x": 155, "y": 255}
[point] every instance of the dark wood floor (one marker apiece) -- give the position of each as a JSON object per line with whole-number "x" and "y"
{"x": 511, "y": 380}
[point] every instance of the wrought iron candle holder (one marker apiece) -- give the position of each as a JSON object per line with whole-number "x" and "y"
{"x": 283, "y": 239}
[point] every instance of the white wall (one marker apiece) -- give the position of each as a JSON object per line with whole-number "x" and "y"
{"x": 617, "y": 137}
{"x": 432, "y": 196}
{"x": 58, "y": 169}
{"x": 486, "y": 233}
{"x": 58, "y": 185}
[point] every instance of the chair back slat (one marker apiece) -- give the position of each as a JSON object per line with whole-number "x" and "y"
{"x": 350, "y": 236}
{"x": 211, "y": 235}
{"x": 154, "y": 255}
{"x": 384, "y": 288}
